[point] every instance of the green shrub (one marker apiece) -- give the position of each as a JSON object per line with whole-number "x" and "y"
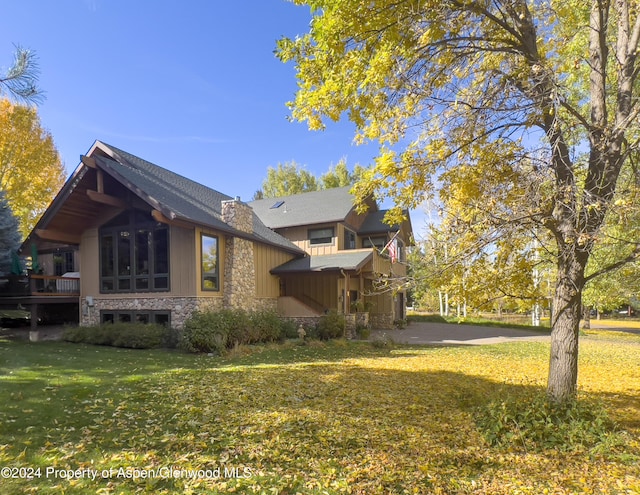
{"x": 204, "y": 332}
{"x": 266, "y": 326}
{"x": 534, "y": 423}
{"x": 129, "y": 335}
{"x": 363, "y": 332}
{"x": 236, "y": 325}
{"x": 400, "y": 324}
{"x": 312, "y": 332}
{"x": 208, "y": 331}
{"x": 290, "y": 329}
{"x": 139, "y": 336}
{"x": 331, "y": 326}
{"x": 100, "y": 335}
{"x": 74, "y": 334}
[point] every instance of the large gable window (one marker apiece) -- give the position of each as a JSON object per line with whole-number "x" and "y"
{"x": 210, "y": 263}
{"x": 134, "y": 254}
{"x": 321, "y": 236}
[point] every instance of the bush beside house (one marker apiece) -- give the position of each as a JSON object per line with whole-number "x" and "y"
{"x": 207, "y": 331}
{"x": 128, "y": 335}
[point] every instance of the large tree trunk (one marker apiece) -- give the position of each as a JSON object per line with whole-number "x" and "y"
{"x": 565, "y": 324}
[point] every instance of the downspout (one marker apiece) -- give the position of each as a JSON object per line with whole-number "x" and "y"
{"x": 346, "y": 291}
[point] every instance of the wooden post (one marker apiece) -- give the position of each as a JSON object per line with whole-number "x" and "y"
{"x": 34, "y": 335}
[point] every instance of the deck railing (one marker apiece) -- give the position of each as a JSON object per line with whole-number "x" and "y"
{"x": 49, "y": 285}
{"x": 39, "y": 285}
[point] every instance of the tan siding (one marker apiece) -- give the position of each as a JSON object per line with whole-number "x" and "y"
{"x": 381, "y": 303}
{"x": 89, "y": 264}
{"x": 340, "y": 236}
{"x": 300, "y": 237}
{"x": 183, "y": 262}
{"x": 316, "y": 289}
{"x": 266, "y": 258}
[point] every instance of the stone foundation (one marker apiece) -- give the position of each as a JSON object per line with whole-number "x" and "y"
{"x": 382, "y": 321}
{"x": 306, "y": 321}
{"x": 180, "y": 308}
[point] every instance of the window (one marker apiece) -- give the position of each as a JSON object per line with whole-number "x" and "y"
{"x": 321, "y": 236}
{"x": 134, "y": 254}
{"x": 378, "y": 242}
{"x": 157, "y": 317}
{"x": 210, "y": 263}
{"x": 349, "y": 240}
{"x": 62, "y": 263}
{"x": 402, "y": 252}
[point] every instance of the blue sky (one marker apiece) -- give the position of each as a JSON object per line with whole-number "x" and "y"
{"x": 193, "y": 86}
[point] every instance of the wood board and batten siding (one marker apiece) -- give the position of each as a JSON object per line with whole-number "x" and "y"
{"x": 319, "y": 291}
{"x": 266, "y": 258}
{"x": 300, "y": 237}
{"x": 89, "y": 263}
{"x": 184, "y": 269}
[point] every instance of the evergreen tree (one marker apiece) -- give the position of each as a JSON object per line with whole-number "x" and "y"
{"x": 9, "y": 235}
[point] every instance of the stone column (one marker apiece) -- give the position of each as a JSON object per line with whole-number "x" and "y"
{"x": 239, "y": 290}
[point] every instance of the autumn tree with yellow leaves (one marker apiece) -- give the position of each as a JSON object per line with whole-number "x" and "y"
{"x": 31, "y": 172}
{"x": 522, "y": 114}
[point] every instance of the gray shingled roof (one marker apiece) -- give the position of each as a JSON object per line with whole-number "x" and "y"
{"x": 373, "y": 223}
{"x": 327, "y": 205}
{"x": 182, "y": 197}
{"x": 350, "y": 260}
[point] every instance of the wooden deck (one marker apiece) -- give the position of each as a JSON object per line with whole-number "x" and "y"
{"x": 40, "y": 286}
{"x": 28, "y": 292}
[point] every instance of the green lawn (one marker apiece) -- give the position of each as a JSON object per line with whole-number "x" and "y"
{"x": 317, "y": 419}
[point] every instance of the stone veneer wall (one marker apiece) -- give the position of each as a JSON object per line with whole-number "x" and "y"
{"x": 306, "y": 321}
{"x": 382, "y": 321}
{"x": 239, "y": 289}
{"x": 239, "y": 286}
{"x": 180, "y": 307}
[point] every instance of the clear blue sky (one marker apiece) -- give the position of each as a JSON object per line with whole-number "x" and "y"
{"x": 193, "y": 86}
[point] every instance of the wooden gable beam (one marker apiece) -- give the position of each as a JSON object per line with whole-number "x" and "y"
{"x": 89, "y": 161}
{"x": 106, "y": 199}
{"x": 57, "y": 236}
{"x": 158, "y": 216}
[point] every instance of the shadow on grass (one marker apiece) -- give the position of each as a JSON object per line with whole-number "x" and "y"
{"x": 312, "y": 415}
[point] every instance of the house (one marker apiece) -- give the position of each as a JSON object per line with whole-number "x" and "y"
{"x": 126, "y": 240}
{"x": 344, "y": 268}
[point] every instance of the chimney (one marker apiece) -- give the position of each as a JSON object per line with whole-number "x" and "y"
{"x": 237, "y": 214}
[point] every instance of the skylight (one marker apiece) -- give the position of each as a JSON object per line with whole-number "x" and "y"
{"x": 277, "y": 204}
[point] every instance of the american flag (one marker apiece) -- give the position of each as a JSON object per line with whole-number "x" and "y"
{"x": 392, "y": 247}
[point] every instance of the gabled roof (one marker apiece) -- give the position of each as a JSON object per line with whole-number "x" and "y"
{"x": 182, "y": 198}
{"x": 325, "y": 206}
{"x": 374, "y": 223}
{"x": 349, "y": 260}
{"x": 175, "y": 196}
